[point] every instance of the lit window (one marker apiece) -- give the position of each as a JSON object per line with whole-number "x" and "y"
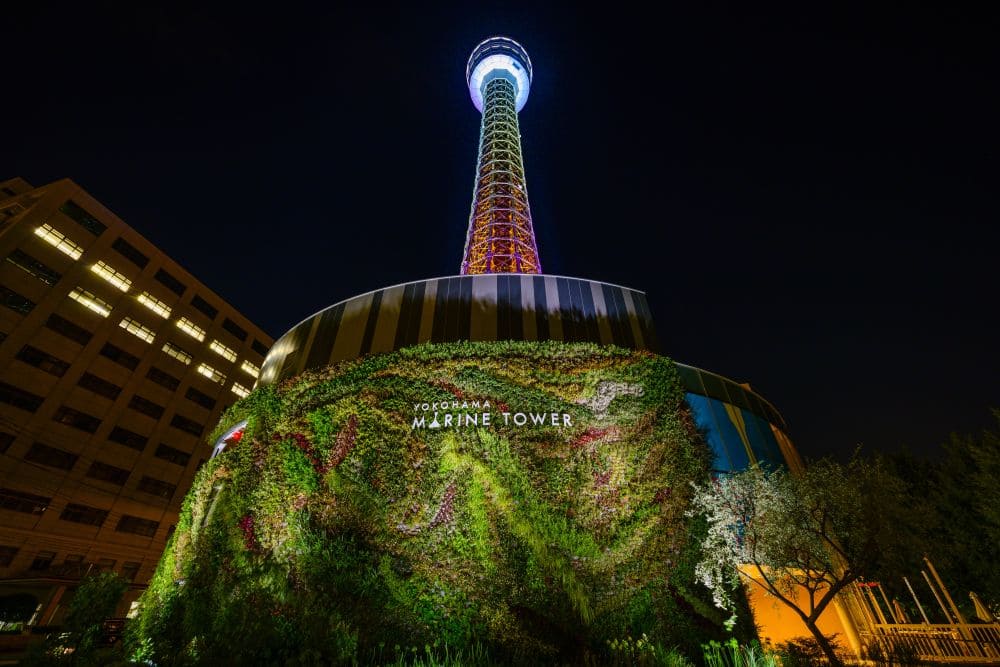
{"x": 239, "y": 390}
{"x": 88, "y": 300}
{"x": 247, "y": 367}
{"x": 211, "y": 373}
{"x": 155, "y": 305}
{"x": 59, "y": 240}
{"x": 220, "y": 349}
{"x": 191, "y": 329}
{"x": 137, "y": 330}
{"x": 177, "y": 353}
{"x": 115, "y": 278}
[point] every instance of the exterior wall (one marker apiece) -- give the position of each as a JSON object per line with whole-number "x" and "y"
{"x": 474, "y": 307}
{"x": 740, "y": 426}
{"x": 61, "y": 458}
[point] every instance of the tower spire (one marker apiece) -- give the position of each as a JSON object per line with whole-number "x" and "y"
{"x": 500, "y": 238}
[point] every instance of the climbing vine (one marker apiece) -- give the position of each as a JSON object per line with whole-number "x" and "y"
{"x": 336, "y": 525}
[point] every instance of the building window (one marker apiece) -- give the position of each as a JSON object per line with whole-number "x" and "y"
{"x": 259, "y": 347}
{"x": 130, "y": 252}
{"x": 137, "y": 526}
{"x": 157, "y": 487}
{"x": 68, "y": 329}
{"x": 177, "y": 353}
{"x": 78, "y": 513}
{"x": 130, "y": 570}
{"x": 7, "y": 554}
{"x": 76, "y": 419}
{"x": 43, "y": 560}
{"x": 51, "y": 456}
{"x": 141, "y": 332}
{"x": 202, "y": 399}
{"x": 239, "y": 390}
{"x": 19, "y": 398}
{"x": 99, "y": 386}
{"x": 32, "y": 266}
{"x": 204, "y": 306}
{"x": 57, "y": 239}
{"x": 16, "y": 301}
{"x": 105, "y": 564}
{"x": 73, "y": 559}
{"x": 6, "y": 440}
{"x": 234, "y": 329}
{"x": 250, "y": 369}
{"x": 117, "y": 279}
{"x": 211, "y": 373}
{"x": 146, "y": 407}
{"x": 227, "y": 353}
{"x": 154, "y": 304}
{"x": 108, "y": 473}
{"x": 91, "y": 301}
{"x": 171, "y": 283}
{"x": 191, "y": 329}
{"x": 187, "y": 425}
{"x": 84, "y": 219}
{"x": 43, "y": 360}
{"x": 176, "y": 456}
{"x": 19, "y": 501}
{"x": 163, "y": 378}
{"x": 130, "y": 439}
{"x": 120, "y": 356}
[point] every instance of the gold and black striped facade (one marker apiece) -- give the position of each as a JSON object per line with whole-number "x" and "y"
{"x": 488, "y": 307}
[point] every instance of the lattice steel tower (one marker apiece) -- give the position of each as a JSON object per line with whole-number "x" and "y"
{"x": 501, "y": 238}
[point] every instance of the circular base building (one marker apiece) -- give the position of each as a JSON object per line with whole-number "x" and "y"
{"x": 494, "y": 465}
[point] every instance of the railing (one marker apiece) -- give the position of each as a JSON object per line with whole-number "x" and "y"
{"x": 939, "y": 642}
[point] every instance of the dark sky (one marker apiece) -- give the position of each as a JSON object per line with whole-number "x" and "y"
{"x": 809, "y": 199}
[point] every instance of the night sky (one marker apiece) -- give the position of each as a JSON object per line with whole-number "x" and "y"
{"x": 809, "y": 200}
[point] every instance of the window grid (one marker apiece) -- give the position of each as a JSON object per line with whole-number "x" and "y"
{"x": 191, "y": 329}
{"x": 57, "y": 239}
{"x": 211, "y": 373}
{"x": 79, "y": 513}
{"x": 20, "y": 501}
{"x": 177, "y": 353}
{"x": 154, "y": 304}
{"x": 137, "y": 525}
{"x": 239, "y": 390}
{"x": 32, "y": 266}
{"x": 106, "y": 271}
{"x": 172, "y": 454}
{"x": 227, "y": 353}
{"x": 139, "y": 331}
{"x": 16, "y": 301}
{"x": 91, "y": 301}
{"x": 250, "y": 369}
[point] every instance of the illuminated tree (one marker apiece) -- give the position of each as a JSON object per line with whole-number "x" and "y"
{"x": 813, "y": 533}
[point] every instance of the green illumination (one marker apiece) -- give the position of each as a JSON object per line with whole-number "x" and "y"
{"x": 335, "y": 527}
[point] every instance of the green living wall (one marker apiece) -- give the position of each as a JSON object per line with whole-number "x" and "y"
{"x": 337, "y": 528}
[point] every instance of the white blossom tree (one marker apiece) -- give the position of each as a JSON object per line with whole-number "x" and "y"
{"x": 815, "y": 532}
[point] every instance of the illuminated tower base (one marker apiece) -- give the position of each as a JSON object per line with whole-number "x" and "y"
{"x": 495, "y": 461}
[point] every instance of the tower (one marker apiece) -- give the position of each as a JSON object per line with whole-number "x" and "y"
{"x": 500, "y": 238}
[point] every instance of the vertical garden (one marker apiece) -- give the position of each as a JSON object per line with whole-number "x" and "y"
{"x": 354, "y": 516}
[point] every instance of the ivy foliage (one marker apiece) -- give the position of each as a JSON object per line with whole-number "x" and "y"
{"x": 335, "y": 528}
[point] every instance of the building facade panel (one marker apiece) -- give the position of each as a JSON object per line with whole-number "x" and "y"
{"x": 103, "y": 397}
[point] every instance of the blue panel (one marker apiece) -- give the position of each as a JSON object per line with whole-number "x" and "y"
{"x": 765, "y": 446}
{"x": 730, "y": 436}
{"x": 706, "y": 424}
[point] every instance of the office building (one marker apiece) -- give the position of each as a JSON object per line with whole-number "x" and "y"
{"x": 115, "y": 364}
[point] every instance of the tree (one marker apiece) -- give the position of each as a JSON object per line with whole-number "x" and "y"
{"x": 817, "y": 531}
{"x": 956, "y": 494}
{"x": 80, "y": 642}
